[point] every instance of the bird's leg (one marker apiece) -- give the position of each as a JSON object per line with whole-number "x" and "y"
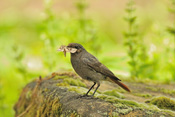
{"x": 90, "y": 88}
{"x": 86, "y": 95}
{"x": 96, "y": 88}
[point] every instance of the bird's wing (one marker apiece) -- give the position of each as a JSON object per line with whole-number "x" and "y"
{"x": 94, "y": 64}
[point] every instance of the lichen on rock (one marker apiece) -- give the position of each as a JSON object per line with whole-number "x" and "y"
{"x": 61, "y": 95}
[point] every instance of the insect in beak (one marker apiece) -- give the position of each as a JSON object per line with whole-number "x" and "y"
{"x": 65, "y": 49}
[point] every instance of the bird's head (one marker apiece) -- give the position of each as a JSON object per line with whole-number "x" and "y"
{"x": 75, "y": 48}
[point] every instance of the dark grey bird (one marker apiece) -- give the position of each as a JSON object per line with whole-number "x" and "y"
{"x": 88, "y": 67}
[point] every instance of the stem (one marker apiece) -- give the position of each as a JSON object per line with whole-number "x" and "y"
{"x": 174, "y": 37}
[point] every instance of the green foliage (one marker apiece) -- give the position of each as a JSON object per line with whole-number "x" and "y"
{"x": 171, "y": 8}
{"x": 86, "y": 32}
{"x": 49, "y": 36}
{"x": 114, "y": 93}
{"x": 143, "y": 95}
{"x": 2, "y": 104}
{"x": 171, "y": 30}
{"x": 18, "y": 56}
{"x": 56, "y": 31}
{"x": 166, "y": 91}
{"x": 164, "y": 103}
{"x": 141, "y": 66}
{"x": 24, "y": 39}
{"x": 75, "y": 82}
{"x": 131, "y": 41}
{"x": 134, "y": 41}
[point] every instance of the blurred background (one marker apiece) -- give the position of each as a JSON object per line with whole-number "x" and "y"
{"x": 135, "y": 39}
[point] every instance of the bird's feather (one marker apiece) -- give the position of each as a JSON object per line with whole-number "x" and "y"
{"x": 120, "y": 84}
{"x": 94, "y": 64}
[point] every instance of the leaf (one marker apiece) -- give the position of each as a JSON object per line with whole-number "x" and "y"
{"x": 81, "y": 5}
{"x": 127, "y": 44}
{"x": 129, "y": 10}
{"x": 172, "y": 10}
{"x": 130, "y": 3}
{"x": 132, "y": 53}
{"x": 132, "y": 63}
{"x": 171, "y": 30}
{"x": 132, "y": 19}
{"x": 130, "y": 34}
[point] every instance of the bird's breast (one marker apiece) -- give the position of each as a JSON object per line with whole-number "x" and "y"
{"x": 78, "y": 67}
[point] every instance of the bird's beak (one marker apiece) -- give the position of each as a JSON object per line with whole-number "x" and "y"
{"x": 71, "y": 50}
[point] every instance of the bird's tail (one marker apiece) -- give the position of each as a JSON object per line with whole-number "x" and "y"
{"x": 120, "y": 84}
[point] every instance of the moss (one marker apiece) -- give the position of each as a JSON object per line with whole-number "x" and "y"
{"x": 149, "y": 112}
{"x": 32, "y": 112}
{"x": 166, "y": 91}
{"x": 122, "y": 108}
{"x": 28, "y": 94}
{"x": 111, "y": 113}
{"x": 110, "y": 99}
{"x": 75, "y": 89}
{"x": 74, "y": 82}
{"x": 70, "y": 113}
{"x": 45, "y": 90}
{"x": 171, "y": 113}
{"x": 125, "y": 106}
{"x": 125, "y": 111}
{"x": 63, "y": 84}
{"x": 120, "y": 90}
{"x": 60, "y": 77}
{"x": 113, "y": 99}
{"x": 70, "y": 81}
{"x": 49, "y": 107}
{"x": 79, "y": 90}
{"x": 114, "y": 114}
{"x": 164, "y": 103}
{"x": 74, "y": 114}
{"x": 130, "y": 103}
{"x": 152, "y": 89}
{"x": 114, "y": 93}
{"x": 120, "y": 105}
{"x": 142, "y": 95}
{"x": 42, "y": 107}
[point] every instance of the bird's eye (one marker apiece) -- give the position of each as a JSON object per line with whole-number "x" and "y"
{"x": 76, "y": 47}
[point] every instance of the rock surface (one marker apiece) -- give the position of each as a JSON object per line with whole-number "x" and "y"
{"x": 58, "y": 95}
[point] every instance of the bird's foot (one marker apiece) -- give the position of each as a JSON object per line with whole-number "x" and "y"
{"x": 85, "y": 96}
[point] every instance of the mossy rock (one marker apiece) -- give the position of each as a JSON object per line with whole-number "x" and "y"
{"x": 114, "y": 93}
{"x": 164, "y": 103}
{"x": 62, "y": 97}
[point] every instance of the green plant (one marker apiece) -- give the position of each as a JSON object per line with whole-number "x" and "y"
{"x": 50, "y": 34}
{"x": 131, "y": 36}
{"x": 18, "y": 56}
{"x": 171, "y": 29}
{"x": 163, "y": 102}
{"x": 86, "y": 33}
{"x": 139, "y": 61}
{"x": 1, "y": 98}
{"x": 171, "y": 49}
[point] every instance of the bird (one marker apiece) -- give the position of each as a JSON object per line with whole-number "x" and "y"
{"x": 88, "y": 67}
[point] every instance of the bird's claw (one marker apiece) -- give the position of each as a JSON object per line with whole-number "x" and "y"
{"x": 85, "y": 96}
